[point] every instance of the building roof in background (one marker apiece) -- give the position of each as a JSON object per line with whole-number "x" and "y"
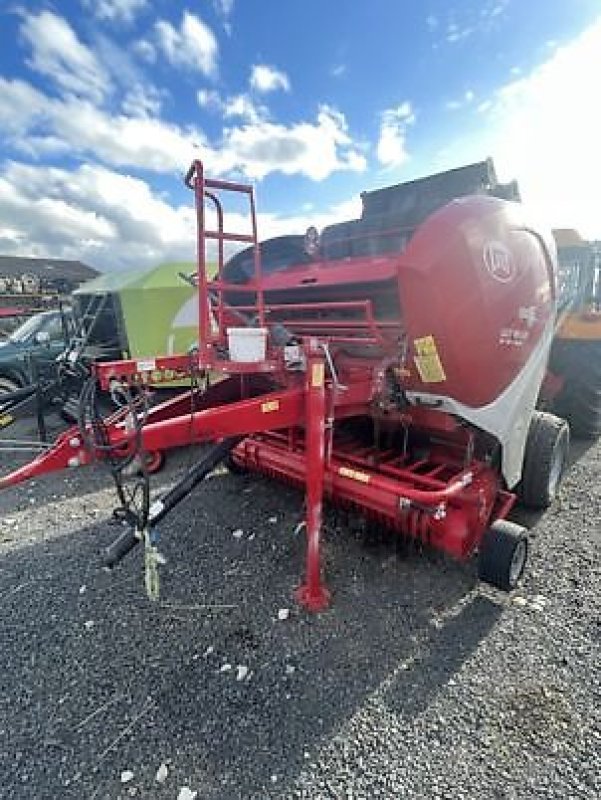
{"x": 47, "y": 268}
{"x": 164, "y": 276}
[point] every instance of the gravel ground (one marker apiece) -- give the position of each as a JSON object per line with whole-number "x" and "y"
{"x": 417, "y": 683}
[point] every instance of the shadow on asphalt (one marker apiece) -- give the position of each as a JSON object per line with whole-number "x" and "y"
{"x": 141, "y": 684}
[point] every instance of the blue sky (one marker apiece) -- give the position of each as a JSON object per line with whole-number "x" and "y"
{"x": 103, "y": 103}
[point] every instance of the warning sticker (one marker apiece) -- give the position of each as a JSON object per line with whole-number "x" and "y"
{"x": 354, "y": 474}
{"x": 317, "y": 375}
{"x": 146, "y": 365}
{"x": 269, "y": 406}
{"x": 428, "y": 361}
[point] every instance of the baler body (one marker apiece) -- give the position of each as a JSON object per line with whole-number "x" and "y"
{"x": 401, "y": 363}
{"x": 465, "y": 312}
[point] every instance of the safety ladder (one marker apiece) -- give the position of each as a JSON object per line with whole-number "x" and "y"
{"x": 85, "y": 326}
{"x": 213, "y": 314}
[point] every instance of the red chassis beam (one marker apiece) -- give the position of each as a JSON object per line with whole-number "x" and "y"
{"x": 281, "y": 409}
{"x": 215, "y": 414}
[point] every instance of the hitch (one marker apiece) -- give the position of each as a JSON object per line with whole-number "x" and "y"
{"x": 125, "y": 543}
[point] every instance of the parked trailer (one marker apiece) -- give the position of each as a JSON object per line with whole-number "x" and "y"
{"x": 397, "y": 375}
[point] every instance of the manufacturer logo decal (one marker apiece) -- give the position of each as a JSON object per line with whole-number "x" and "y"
{"x": 498, "y": 260}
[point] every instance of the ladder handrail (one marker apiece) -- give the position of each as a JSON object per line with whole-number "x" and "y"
{"x": 201, "y": 186}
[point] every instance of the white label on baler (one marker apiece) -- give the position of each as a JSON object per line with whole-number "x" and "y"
{"x": 146, "y": 365}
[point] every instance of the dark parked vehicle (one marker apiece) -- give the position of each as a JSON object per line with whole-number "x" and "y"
{"x": 32, "y": 348}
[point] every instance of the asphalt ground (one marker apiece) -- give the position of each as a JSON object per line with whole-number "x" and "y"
{"x": 417, "y": 683}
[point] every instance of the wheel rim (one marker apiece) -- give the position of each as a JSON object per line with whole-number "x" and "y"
{"x": 518, "y": 562}
{"x": 557, "y": 467}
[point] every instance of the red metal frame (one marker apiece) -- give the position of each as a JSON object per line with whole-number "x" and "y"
{"x": 292, "y": 417}
{"x": 450, "y": 513}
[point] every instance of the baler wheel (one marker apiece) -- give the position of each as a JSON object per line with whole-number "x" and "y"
{"x": 503, "y": 555}
{"x": 545, "y": 460}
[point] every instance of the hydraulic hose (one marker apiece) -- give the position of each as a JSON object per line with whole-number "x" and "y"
{"x": 126, "y": 542}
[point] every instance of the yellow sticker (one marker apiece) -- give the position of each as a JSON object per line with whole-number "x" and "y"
{"x": 428, "y": 361}
{"x": 5, "y": 419}
{"x": 425, "y": 346}
{"x": 317, "y": 375}
{"x": 354, "y": 474}
{"x": 270, "y": 405}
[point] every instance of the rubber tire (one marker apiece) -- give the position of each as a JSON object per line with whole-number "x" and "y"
{"x": 7, "y": 386}
{"x": 579, "y": 402}
{"x": 548, "y": 439}
{"x": 497, "y": 551}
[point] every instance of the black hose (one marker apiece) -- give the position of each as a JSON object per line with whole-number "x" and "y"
{"x": 120, "y": 548}
{"x": 135, "y": 501}
{"x": 193, "y": 477}
{"x": 126, "y": 542}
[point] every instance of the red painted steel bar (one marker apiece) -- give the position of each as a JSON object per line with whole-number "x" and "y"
{"x": 259, "y": 298}
{"x": 274, "y": 410}
{"x": 220, "y": 256}
{"x": 214, "y": 183}
{"x": 67, "y": 451}
{"x": 312, "y": 594}
{"x": 230, "y": 237}
{"x": 204, "y": 319}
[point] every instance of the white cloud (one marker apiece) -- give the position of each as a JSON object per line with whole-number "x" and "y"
{"x": 239, "y": 105}
{"x": 242, "y": 106}
{"x": 225, "y": 8}
{"x": 463, "y": 24}
{"x": 116, "y": 10}
{"x": 338, "y": 70}
{"x": 142, "y": 101}
{"x": 391, "y": 148}
{"x": 456, "y": 33}
{"x": 312, "y": 149}
{"x": 34, "y": 123}
{"x": 466, "y": 100}
{"x": 58, "y": 54}
{"x": 93, "y": 214}
{"x": 111, "y": 220}
{"x": 256, "y": 147}
{"x": 545, "y": 128}
{"x": 21, "y": 106}
{"x": 264, "y": 78}
{"x": 193, "y": 45}
{"x": 209, "y": 98}
{"x": 145, "y": 50}
{"x": 42, "y": 220}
